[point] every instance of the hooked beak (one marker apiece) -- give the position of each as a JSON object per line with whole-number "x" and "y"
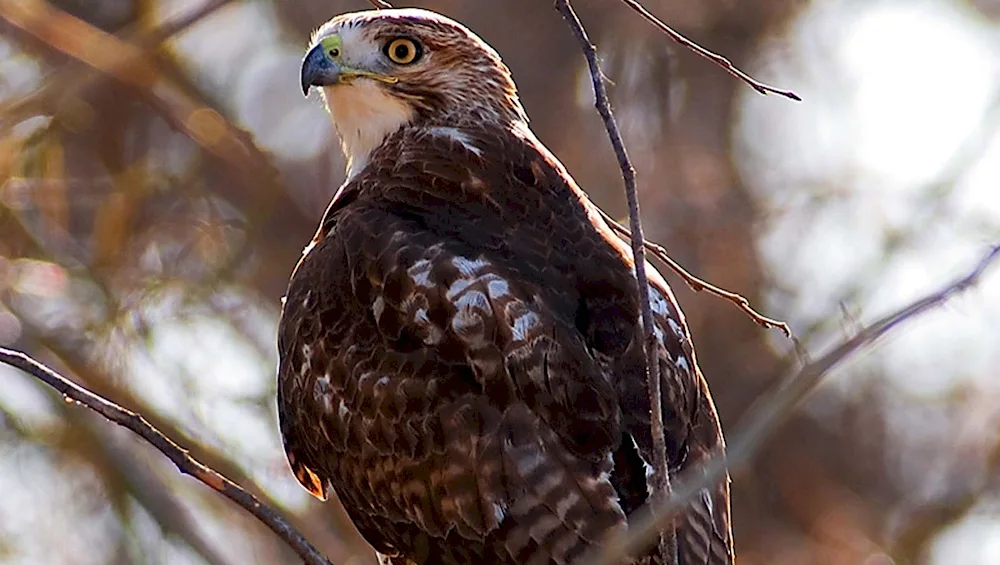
{"x": 322, "y": 67}
{"x": 318, "y": 69}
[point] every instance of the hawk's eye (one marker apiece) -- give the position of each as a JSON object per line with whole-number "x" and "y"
{"x": 403, "y": 51}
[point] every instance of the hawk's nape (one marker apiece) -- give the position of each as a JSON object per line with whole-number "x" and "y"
{"x": 461, "y": 350}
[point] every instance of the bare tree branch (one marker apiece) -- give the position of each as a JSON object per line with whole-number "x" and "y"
{"x": 97, "y": 381}
{"x": 661, "y": 473}
{"x": 380, "y": 4}
{"x": 767, "y": 415}
{"x": 180, "y": 457}
{"x": 696, "y": 284}
{"x": 713, "y": 57}
{"x": 699, "y": 285}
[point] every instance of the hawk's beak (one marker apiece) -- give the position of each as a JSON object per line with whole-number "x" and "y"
{"x": 318, "y": 69}
{"x": 322, "y": 67}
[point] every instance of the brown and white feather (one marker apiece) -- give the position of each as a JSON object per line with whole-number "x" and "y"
{"x": 460, "y": 353}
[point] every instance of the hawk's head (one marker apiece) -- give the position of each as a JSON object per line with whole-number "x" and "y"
{"x": 382, "y": 69}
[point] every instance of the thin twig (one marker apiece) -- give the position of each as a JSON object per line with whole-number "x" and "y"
{"x": 713, "y": 57}
{"x": 661, "y": 475}
{"x": 179, "y": 456}
{"x": 380, "y": 4}
{"x": 699, "y": 285}
{"x": 764, "y": 418}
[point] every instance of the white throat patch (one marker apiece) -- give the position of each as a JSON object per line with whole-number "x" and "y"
{"x": 364, "y": 115}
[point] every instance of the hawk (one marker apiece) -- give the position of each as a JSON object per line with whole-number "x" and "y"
{"x": 460, "y": 344}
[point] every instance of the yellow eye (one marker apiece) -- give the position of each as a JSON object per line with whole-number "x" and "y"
{"x": 403, "y": 51}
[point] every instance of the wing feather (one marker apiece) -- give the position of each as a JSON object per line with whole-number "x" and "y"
{"x": 451, "y": 389}
{"x": 461, "y": 360}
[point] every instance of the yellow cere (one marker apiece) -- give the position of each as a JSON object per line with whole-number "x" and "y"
{"x": 331, "y": 46}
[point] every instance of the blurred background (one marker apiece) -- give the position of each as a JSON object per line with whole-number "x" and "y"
{"x": 160, "y": 173}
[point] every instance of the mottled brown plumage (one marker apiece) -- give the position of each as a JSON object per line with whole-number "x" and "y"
{"x": 460, "y": 344}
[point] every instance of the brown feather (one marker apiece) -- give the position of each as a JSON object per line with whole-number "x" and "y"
{"x": 461, "y": 352}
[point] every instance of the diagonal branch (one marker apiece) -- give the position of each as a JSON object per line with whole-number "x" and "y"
{"x": 699, "y": 285}
{"x": 713, "y": 57}
{"x": 661, "y": 475}
{"x": 179, "y": 456}
{"x": 768, "y": 414}
{"x": 380, "y": 4}
{"x": 95, "y": 380}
